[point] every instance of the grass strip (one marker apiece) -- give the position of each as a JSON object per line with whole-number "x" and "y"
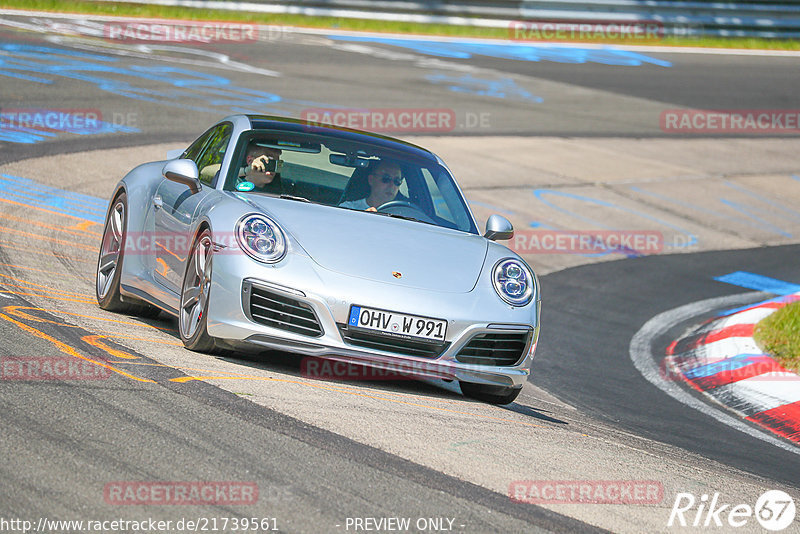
{"x": 379, "y": 26}
{"x": 779, "y": 335}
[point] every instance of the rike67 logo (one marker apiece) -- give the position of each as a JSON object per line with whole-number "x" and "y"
{"x": 774, "y": 510}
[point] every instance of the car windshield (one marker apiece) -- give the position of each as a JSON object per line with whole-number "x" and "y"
{"x": 348, "y": 175}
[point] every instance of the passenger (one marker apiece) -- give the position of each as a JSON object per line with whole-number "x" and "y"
{"x": 255, "y": 168}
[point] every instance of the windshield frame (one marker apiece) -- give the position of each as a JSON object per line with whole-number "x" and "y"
{"x": 397, "y": 152}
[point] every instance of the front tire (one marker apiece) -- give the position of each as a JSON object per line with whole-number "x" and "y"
{"x": 192, "y": 316}
{"x": 499, "y": 395}
{"x": 109, "y": 263}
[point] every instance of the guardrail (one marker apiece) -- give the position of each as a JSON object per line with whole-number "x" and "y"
{"x": 744, "y": 18}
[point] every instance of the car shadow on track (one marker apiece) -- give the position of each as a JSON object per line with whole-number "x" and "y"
{"x": 292, "y": 365}
{"x": 532, "y": 412}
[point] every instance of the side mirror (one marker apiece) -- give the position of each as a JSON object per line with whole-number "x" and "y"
{"x": 183, "y": 171}
{"x": 498, "y": 228}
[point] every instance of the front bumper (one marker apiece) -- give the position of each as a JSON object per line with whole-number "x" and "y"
{"x": 326, "y": 296}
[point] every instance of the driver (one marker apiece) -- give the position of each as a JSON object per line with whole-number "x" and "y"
{"x": 384, "y": 183}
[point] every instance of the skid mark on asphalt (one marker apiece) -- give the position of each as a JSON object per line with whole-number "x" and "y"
{"x": 61, "y": 293}
{"x": 17, "y": 311}
{"x": 34, "y": 286}
{"x": 69, "y": 350}
{"x": 81, "y": 232}
{"x": 27, "y": 250}
{"x": 34, "y": 269}
{"x": 49, "y": 297}
{"x": 40, "y": 237}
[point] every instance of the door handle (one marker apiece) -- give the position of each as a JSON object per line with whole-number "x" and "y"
{"x": 157, "y": 202}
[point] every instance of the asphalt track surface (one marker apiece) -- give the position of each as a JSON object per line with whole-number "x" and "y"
{"x": 154, "y": 429}
{"x": 73, "y": 437}
{"x": 586, "y": 303}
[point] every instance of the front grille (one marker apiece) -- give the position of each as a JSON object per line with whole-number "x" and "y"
{"x": 391, "y": 344}
{"x": 499, "y": 349}
{"x": 280, "y": 311}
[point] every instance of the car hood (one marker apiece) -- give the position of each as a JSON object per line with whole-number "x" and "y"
{"x": 375, "y": 247}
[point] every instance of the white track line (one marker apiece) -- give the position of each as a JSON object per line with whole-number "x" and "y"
{"x": 645, "y": 362}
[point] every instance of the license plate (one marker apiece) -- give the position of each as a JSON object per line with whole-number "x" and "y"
{"x": 398, "y": 324}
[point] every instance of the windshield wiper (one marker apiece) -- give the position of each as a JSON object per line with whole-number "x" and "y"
{"x": 292, "y": 197}
{"x": 396, "y": 216}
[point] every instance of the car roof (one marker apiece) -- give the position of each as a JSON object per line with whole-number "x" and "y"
{"x": 268, "y": 122}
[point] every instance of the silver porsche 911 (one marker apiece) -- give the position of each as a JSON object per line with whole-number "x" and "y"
{"x": 278, "y": 234}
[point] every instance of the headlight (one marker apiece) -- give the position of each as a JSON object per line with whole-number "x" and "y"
{"x": 261, "y": 238}
{"x": 514, "y": 282}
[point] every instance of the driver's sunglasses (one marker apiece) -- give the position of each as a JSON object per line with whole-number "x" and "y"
{"x": 386, "y": 178}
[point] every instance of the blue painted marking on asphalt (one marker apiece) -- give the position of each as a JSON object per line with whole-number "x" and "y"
{"x": 489, "y": 206}
{"x": 765, "y": 224}
{"x": 540, "y": 193}
{"x": 796, "y": 177}
{"x": 496, "y": 88}
{"x": 522, "y": 52}
{"x": 763, "y": 199}
{"x": 167, "y": 85}
{"x": 768, "y": 301}
{"x": 355, "y": 311}
{"x": 759, "y": 283}
{"x": 59, "y": 200}
{"x": 728, "y": 364}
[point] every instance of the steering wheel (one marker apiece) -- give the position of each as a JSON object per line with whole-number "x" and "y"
{"x": 398, "y": 204}
{"x": 402, "y": 207}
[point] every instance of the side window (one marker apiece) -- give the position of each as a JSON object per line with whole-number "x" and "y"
{"x": 194, "y": 149}
{"x": 210, "y": 158}
{"x": 440, "y": 206}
